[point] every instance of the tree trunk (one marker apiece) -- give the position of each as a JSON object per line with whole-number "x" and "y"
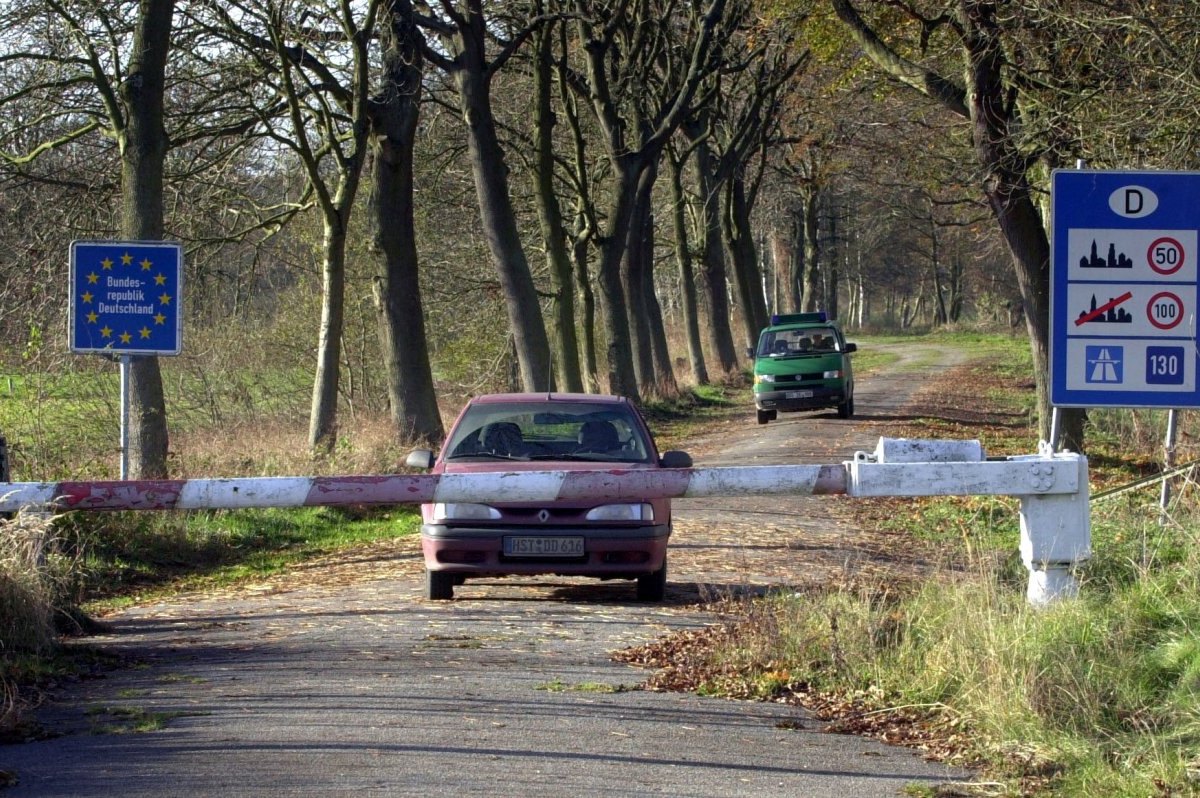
{"x": 322, "y": 420}
{"x": 810, "y": 294}
{"x": 796, "y": 271}
{"x": 587, "y": 304}
{"x": 566, "y": 344}
{"x": 633, "y": 285}
{"x": 401, "y": 318}
{"x": 143, "y": 151}
{"x": 687, "y": 282}
{"x": 1007, "y": 189}
{"x": 622, "y": 378}
{"x": 663, "y": 372}
{"x": 496, "y": 212}
{"x": 739, "y": 242}
{"x": 720, "y": 335}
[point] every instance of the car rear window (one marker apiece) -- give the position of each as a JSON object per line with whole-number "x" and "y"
{"x": 547, "y": 431}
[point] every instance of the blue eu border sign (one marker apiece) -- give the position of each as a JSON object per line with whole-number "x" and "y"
{"x": 126, "y": 297}
{"x": 1123, "y": 295}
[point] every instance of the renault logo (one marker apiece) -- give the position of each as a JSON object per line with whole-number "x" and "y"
{"x": 543, "y": 515}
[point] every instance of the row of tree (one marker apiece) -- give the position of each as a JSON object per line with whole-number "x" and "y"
{"x": 793, "y": 176}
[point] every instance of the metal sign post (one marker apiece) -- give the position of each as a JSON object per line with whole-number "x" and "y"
{"x": 126, "y": 300}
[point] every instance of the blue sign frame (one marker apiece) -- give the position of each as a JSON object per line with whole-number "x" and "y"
{"x": 1123, "y": 294}
{"x": 126, "y": 297}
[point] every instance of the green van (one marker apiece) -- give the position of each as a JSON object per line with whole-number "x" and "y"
{"x": 802, "y": 362}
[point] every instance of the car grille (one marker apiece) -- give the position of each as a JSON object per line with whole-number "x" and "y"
{"x": 555, "y": 516}
{"x": 811, "y": 375}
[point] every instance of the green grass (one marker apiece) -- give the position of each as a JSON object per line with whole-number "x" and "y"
{"x": 1098, "y": 696}
{"x": 143, "y": 555}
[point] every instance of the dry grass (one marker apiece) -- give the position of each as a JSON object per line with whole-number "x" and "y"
{"x": 264, "y": 447}
{"x": 29, "y": 586}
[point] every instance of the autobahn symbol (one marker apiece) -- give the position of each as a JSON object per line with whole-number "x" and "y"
{"x": 1165, "y": 310}
{"x": 1105, "y": 364}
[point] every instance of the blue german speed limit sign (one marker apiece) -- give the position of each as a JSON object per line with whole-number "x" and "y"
{"x": 1124, "y": 289}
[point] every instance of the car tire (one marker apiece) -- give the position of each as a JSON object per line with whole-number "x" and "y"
{"x": 439, "y": 585}
{"x": 653, "y": 587}
{"x": 846, "y": 408}
{"x": 765, "y": 415}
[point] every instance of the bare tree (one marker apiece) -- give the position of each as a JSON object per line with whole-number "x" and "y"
{"x": 465, "y": 32}
{"x": 637, "y": 114}
{"x": 989, "y": 101}
{"x": 115, "y": 85}
{"x": 394, "y": 112}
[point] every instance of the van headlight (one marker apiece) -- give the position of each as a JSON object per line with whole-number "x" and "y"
{"x": 464, "y": 511}
{"x": 621, "y": 512}
{"x": 764, "y": 378}
{"x": 832, "y": 375}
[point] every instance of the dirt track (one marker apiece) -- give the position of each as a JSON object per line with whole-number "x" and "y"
{"x": 338, "y": 677}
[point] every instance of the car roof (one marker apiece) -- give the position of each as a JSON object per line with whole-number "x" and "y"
{"x": 592, "y": 398}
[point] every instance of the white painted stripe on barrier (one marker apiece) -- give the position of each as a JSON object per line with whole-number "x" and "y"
{"x": 15, "y": 495}
{"x": 995, "y": 478}
{"x": 509, "y": 486}
{"x": 244, "y": 493}
{"x": 754, "y": 481}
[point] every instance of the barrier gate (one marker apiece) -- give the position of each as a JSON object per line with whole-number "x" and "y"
{"x": 1052, "y": 488}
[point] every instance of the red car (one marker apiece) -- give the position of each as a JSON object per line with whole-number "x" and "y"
{"x": 623, "y": 539}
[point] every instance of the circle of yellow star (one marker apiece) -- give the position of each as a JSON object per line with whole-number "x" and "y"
{"x": 93, "y": 278}
{"x": 87, "y": 297}
{"x": 105, "y": 331}
{"x": 165, "y": 299}
{"x": 126, "y": 259}
{"x": 160, "y": 318}
{"x": 146, "y": 264}
{"x": 106, "y": 263}
{"x": 93, "y": 317}
{"x": 145, "y": 332}
{"x": 126, "y": 338}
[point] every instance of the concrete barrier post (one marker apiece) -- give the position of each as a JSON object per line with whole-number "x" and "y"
{"x": 1056, "y": 534}
{"x": 1052, "y": 488}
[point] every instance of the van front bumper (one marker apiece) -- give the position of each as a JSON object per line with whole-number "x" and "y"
{"x": 791, "y": 399}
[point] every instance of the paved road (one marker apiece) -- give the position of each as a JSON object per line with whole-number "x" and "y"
{"x": 340, "y": 679}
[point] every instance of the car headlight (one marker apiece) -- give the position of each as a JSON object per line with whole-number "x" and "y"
{"x": 832, "y": 375}
{"x": 464, "y": 512}
{"x": 621, "y": 512}
{"x": 764, "y": 378}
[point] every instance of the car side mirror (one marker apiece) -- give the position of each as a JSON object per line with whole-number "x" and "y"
{"x": 851, "y": 348}
{"x": 420, "y": 458}
{"x": 750, "y": 352}
{"x": 675, "y": 459}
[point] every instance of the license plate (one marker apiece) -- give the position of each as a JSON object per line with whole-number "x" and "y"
{"x": 542, "y": 546}
{"x": 798, "y": 394}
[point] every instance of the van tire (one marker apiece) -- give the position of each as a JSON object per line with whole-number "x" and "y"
{"x": 846, "y": 408}
{"x": 765, "y": 415}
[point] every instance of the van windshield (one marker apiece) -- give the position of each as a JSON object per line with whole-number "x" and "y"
{"x": 805, "y": 341}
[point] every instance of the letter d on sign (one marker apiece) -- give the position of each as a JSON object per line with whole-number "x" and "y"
{"x": 1133, "y": 202}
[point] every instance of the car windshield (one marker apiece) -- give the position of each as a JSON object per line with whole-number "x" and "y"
{"x": 805, "y": 341}
{"x": 548, "y": 431}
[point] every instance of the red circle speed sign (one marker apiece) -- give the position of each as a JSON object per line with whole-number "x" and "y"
{"x": 1165, "y": 255}
{"x": 1165, "y": 310}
